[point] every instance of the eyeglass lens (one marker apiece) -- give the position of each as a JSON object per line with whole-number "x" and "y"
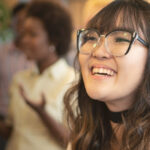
{"x": 116, "y": 42}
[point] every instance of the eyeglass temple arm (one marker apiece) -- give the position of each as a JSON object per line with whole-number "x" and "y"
{"x": 142, "y": 41}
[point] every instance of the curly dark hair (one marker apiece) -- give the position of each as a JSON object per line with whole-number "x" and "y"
{"x": 91, "y": 127}
{"x": 17, "y": 8}
{"x": 56, "y": 21}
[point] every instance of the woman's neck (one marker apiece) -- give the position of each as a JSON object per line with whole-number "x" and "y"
{"x": 120, "y": 104}
{"x": 45, "y": 63}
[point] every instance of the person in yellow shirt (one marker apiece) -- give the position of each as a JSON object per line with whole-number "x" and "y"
{"x": 38, "y": 122}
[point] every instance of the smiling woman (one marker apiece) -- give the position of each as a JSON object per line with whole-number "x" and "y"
{"x": 113, "y": 111}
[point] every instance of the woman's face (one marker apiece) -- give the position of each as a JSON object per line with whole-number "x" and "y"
{"x": 126, "y": 73}
{"x": 35, "y": 42}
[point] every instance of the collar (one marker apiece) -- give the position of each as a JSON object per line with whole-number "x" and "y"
{"x": 55, "y": 70}
{"x": 116, "y": 117}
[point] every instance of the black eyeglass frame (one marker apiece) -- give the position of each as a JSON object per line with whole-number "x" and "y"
{"x": 134, "y": 36}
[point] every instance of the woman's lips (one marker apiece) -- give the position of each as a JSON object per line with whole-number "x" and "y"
{"x": 103, "y": 71}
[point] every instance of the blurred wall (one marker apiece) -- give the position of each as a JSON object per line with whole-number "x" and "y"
{"x": 81, "y": 10}
{"x": 76, "y": 8}
{"x": 10, "y": 3}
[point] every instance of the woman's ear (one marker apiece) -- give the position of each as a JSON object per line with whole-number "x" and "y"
{"x": 52, "y": 48}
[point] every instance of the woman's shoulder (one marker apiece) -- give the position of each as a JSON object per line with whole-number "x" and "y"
{"x": 22, "y": 76}
{"x": 23, "y": 73}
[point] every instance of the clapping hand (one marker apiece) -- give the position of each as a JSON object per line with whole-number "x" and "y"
{"x": 37, "y": 106}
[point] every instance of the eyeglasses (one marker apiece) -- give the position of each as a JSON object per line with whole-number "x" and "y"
{"x": 117, "y": 42}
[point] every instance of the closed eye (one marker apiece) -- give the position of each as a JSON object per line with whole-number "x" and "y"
{"x": 89, "y": 38}
{"x": 122, "y": 40}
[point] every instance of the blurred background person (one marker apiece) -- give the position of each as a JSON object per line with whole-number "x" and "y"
{"x": 36, "y": 121}
{"x": 12, "y": 59}
{"x": 18, "y": 16}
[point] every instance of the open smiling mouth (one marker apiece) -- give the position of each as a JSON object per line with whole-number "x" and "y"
{"x": 102, "y": 72}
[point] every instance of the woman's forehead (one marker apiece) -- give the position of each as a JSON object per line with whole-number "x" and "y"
{"x": 125, "y": 17}
{"x": 119, "y": 22}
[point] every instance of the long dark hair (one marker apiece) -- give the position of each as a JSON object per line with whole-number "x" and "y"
{"x": 91, "y": 128}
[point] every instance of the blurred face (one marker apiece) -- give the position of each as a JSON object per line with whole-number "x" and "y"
{"x": 35, "y": 40}
{"x": 17, "y": 24}
{"x": 17, "y": 21}
{"x": 113, "y": 80}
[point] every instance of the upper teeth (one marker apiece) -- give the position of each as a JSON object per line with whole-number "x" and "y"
{"x": 102, "y": 71}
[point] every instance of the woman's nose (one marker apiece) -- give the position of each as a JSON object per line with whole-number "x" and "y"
{"x": 100, "y": 50}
